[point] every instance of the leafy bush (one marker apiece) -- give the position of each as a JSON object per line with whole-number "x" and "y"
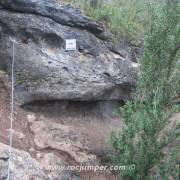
{"x": 126, "y": 19}
{"x": 152, "y": 107}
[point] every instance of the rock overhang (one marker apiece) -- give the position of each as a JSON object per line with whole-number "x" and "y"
{"x": 46, "y": 71}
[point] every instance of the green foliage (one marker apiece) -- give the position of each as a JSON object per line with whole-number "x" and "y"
{"x": 125, "y": 19}
{"x": 148, "y": 114}
{"x": 170, "y": 169}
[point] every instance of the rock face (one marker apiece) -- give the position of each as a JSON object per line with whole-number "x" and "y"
{"x": 64, "y": 15}
{"x": 24, "y": 167}
{"x": 45, "y": 70}
{"x": 61, "y": 138}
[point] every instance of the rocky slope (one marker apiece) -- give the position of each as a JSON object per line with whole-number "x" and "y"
{"x": 45, "y": 70}
{"x": 68, "y": 97}
{"x": 47, "y": 135}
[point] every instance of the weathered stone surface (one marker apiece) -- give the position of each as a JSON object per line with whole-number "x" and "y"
{"x": 59, "y": 137}
{"x": 44, "y": 70}
{"x": 46, "y": 166}
{"x": 53, "y": 165}
{"x": 65, "y": 14}
{"x": 23, "y": 166}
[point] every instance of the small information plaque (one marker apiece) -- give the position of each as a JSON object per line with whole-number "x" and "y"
{"x": 70, "y": 44}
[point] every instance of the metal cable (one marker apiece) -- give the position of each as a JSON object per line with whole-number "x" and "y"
{"x": 12, "y": 111}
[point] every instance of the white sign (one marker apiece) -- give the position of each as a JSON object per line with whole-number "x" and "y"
{"x": 70, "y": 44}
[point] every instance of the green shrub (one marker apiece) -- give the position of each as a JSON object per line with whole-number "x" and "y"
{"x": 152, "y": 107}
{"x": 125, "y": 19}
